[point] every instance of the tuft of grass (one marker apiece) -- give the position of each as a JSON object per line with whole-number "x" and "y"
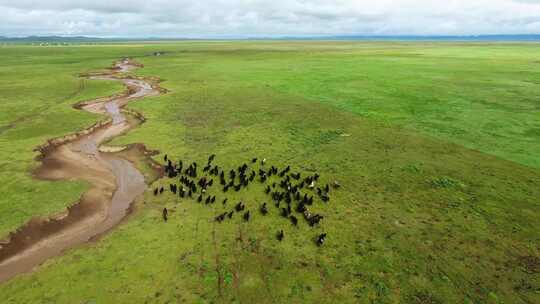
{"x": 446, "y": 182}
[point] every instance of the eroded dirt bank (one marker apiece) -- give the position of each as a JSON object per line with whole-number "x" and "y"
{"x": 115, "y": 182}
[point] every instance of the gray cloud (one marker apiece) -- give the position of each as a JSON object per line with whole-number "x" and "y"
{"x": 211, "y": 18}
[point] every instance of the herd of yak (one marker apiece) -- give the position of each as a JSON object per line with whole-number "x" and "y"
{"x": 289, "y": 195}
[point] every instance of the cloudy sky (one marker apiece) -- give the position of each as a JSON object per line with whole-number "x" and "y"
{"x": 241, "y": 18}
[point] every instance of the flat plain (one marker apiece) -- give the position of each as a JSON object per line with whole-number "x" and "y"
{"x": 436, "y": 147}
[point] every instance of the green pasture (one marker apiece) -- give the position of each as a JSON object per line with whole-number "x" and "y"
{"x": 436, "y": 145}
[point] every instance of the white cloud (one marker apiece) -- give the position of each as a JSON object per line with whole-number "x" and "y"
{"x": 183, "y": 18}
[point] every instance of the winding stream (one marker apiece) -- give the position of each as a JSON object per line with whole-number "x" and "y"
{"x": 115, "y": 183}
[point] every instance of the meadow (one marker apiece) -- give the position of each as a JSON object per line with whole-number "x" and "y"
{"x": 436, "y": 146}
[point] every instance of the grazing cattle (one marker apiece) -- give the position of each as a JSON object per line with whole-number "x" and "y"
{"x": 288, "y": 198}
{"x": 325, "y": 197}
{"x": 301, "y": 207}
{"x": 173, "y": 188}
{"x": 264, "y": 210}
{"x": 312, "y": 219}
{"x": 221, "y": 217}
{"x": 165, "y": 157}
{"x": 192, "y": 170}
{"x": 336, "y": 184}
{"x": 288, "y": 188}
{"x": 180, "y": 165}
{"x": 294, "y": 220}
{"x": 320, "y": 239}
{"x": 202, "y": 182}
{"x": 239, "y": 207}
{"x": 285, "y": 171}
{"x": 280, "y": 235}
{"x": 165, "y": 214}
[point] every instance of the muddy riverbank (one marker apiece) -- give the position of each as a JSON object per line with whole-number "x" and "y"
{"x": 114, "y": 179}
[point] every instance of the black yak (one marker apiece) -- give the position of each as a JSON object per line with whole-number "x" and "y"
{"x": 320, "y": 239}
{"x": 239, "y": 207}
{"x": 264, "y": 210}
{"x": 221, "y": 217}
{"x": 280, "y": 235}
{"x": 294, "y": 220}
{"x": 165, "y": 214}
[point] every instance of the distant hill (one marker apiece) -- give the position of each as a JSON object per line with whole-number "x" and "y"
{"x": 420, "y": 38}
{"x": 50, "y": 39}
{"x": 86, "y": 39}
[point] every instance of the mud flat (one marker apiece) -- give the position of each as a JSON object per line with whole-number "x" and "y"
{"x": 115, "y": 182}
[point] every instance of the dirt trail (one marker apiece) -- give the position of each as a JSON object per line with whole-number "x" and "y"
{"x": 115, "y": 183}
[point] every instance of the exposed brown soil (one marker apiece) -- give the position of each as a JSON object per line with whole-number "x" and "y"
{"x": 114, "y": 178}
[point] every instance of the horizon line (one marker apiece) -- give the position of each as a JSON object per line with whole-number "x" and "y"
{"x": 243, "y": 37}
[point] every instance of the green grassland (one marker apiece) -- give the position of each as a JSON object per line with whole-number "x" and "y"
{"x": 437, "y": 146}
